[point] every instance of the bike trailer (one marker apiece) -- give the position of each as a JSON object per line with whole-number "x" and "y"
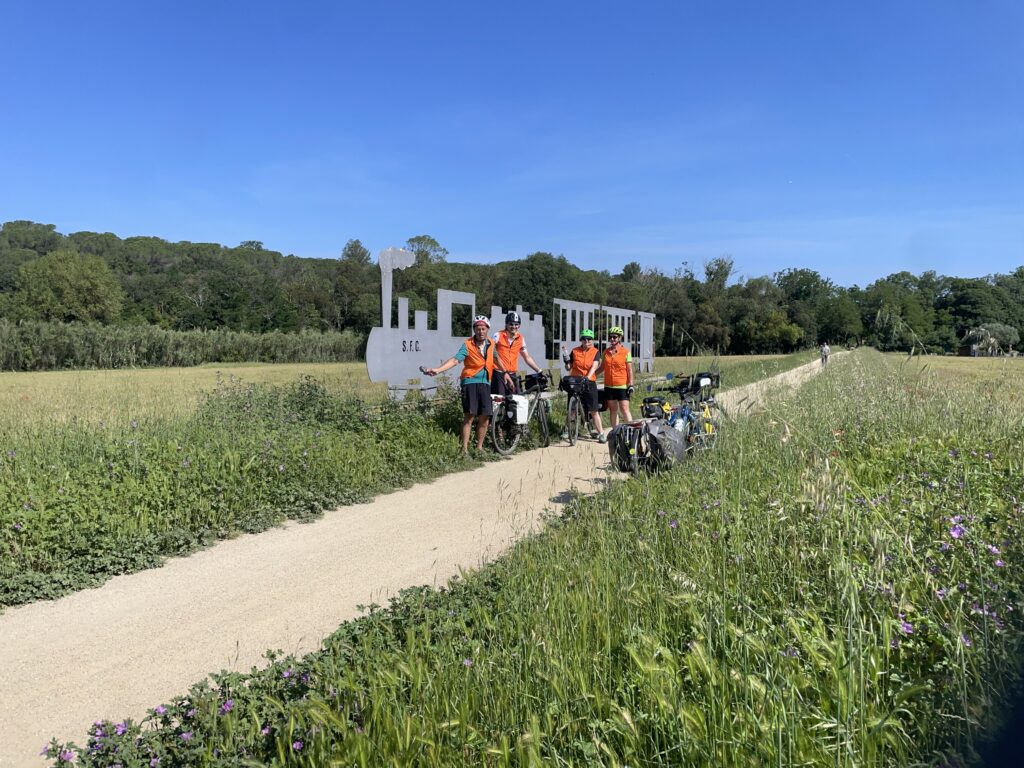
{"x": 517, "y": 408}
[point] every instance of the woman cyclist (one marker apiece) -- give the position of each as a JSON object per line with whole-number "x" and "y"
{"x": 617, "y": 366}
{"x": 578, "y": 362}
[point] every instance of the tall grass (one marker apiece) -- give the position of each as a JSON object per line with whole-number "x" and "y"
{"x": 837, "y": 584}
{"x": 45, "y": 346}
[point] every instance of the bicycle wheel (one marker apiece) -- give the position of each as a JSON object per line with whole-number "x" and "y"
{"x": 540, "y": 413}
{"x": 574, "y": 419}
{"x": 505, "y": 433}
{"x": 706, "y": 430}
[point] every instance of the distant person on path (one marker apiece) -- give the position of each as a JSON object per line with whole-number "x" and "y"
{"x": 509, "y": 346}
{"x": 477, "y": 357}
{"x": 825, "y": 352}
{"x": 578, "y": 362}
{"x": 616, "y": 364}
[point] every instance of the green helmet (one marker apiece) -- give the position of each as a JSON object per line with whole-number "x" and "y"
{"x": 615, "y": 331}
{"x": 587, "y": 334}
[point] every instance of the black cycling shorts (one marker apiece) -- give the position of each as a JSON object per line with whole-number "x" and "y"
{"x": 588, "y": 396}
{"x": 476, "y": 399}
{"x": 616, "y": 394}
{"x": 498, "y": 386}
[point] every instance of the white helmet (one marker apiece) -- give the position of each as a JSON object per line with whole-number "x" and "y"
{"x": 481, "y": 319}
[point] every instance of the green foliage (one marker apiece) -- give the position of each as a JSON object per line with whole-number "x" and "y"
{"x": 837, "y": 584}
{"x": 43, "y": 346}
{"x": 67, "y": 286}
{"x": 189, "y": 286}
{"x": 81, "y": 502}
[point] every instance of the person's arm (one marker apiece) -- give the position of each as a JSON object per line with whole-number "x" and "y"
{"x": 566, "y": 359}
{"x": 596, "y": 367}
{"x": 448, "y": 364}
{"x": 529, "y": 360}
{"x": 629, "y": 373}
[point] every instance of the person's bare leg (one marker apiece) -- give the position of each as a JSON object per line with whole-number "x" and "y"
{"x": 613, "y": 412}
{"x": 481, "y": 431}
{"x": 624, "y": 410}
{"x": 467, "y": 424}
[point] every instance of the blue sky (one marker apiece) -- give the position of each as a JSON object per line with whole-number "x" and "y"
{"x": 857, "y": 139}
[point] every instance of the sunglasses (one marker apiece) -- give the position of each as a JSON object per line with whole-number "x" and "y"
{"x": 512, "y": 325}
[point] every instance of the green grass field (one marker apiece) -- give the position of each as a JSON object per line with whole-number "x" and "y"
{"x": 837, "y": 583}
{"x": 121, "y": 396}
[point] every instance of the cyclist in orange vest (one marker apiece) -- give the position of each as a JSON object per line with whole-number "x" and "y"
{"x": 578, "y": 362}
{"x": 617, "y": 366}
{"x": 477, "y": 358}
{"x": 509, "y": 346}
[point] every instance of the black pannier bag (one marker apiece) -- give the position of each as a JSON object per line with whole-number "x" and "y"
{"x": 667, "y": 445}
{"x": 619, "y": 442}
{"x": 535, "y": 381}
{"x": 654, "y": 408}
{"x": 574, "y": 385}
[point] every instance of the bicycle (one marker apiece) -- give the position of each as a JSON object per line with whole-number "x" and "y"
{"x": 507, "y": 426}
{"x": 575, "y": 414}
{"x": 699, "y": 414}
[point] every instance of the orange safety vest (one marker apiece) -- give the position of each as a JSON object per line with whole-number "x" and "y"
{"x": 616, "y": 366}
{"x": 508, "y": 352}
{"x": 581, "y": 360}
{"x": 475, "y": 361}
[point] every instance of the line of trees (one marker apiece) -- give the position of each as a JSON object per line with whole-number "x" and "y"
{"x": 89, "y": 277}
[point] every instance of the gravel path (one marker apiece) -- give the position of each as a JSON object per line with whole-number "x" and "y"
{"x": 141, "y": 639}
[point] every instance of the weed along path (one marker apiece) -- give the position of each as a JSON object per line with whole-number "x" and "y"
{"x": 141, "y": 639}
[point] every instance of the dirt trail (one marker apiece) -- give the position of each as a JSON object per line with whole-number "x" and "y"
{"x": 141, "y": 639}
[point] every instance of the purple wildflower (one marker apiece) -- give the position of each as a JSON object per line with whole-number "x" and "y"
{"x": 154, "y": 762}
{"x": 1000, "y": 563}
{"x": 944, "y": 546}
{"x": 467, "y": 662}
{"x": 161, "y": 710}
{"x": 18, "y": 526}
{"x": 66, "y": 755}
{"x": 674, "y": 524}
{"x": 993, "y": 549}
{"x": 191, "y": 712}
{"x": 297, "y": 746}
{"x": 120, "y": 728}
{"x": 287, "y": 673}
{"x": 227, "y": 706}
{"x": 966, "y": 641}
{"x": 957, "y": 531}
{"x": 907, "y": 627}
{"x": 940, "y": 593}
{"x": 46, "y": 747}
{"x": 265, "y": 730}
{"x": 661, "y": 513}
{"x": 186, "y": 736}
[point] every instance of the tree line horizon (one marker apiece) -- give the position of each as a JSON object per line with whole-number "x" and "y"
{"x": 90, "y": 277}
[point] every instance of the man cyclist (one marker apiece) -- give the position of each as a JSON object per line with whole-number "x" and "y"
{"x": 617, "y": 366}
{"x": 825, "y": 352}
{"x": 578, "y": 362}
{"x": 509, "y": 346}
{"x": 477, "y": 357}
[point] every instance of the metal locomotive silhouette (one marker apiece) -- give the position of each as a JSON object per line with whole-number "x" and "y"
{"x": 395, "y": 351}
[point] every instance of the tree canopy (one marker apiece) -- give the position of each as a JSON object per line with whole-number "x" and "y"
{"x": 99, "y": 277}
